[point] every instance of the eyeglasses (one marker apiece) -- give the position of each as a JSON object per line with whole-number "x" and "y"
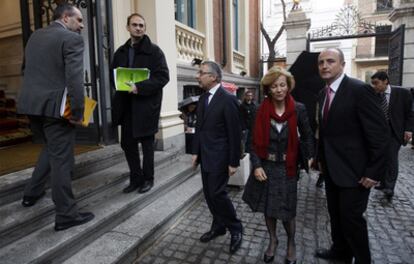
{"x": 137, "y": 25}
{"x": 202, "y": 73}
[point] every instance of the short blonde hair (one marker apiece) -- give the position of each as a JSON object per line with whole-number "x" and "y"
{"x": 272, "y": 75}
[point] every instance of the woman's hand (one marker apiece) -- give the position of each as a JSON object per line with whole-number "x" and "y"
{"x": 260, "y": 174}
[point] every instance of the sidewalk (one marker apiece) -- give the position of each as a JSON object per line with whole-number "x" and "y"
{"x": 391, "y": 228}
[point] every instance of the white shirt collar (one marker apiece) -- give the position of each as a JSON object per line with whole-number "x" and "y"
{"x": 61, "y": 23}
{"x": 388, "y": 90}
{"x": 335, "y": 85}
{"x": 213, "y": 90}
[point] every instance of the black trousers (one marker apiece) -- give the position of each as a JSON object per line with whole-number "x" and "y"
{"x": 391, "y": 174}
{"x": 219, "y": 204}
{"x": 349, "y": 232}
{"x": 129, "y": 144}
{"x": 56, "y": 162}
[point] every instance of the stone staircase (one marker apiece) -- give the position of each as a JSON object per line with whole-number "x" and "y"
{"x": 124, "y": 224}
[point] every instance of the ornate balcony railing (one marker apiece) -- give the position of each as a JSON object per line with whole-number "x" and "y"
{"x": 190, "y": 43}
{"x": 238, "y": 60}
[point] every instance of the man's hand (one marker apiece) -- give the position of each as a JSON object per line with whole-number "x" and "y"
{"x": 232, "y": 170}
{"x": 367, "y": 182}
{"x": 194, "y": 161}
{"x": 76, "y": 122}
{"x": 134, "y": 88}
{"x": 310, "y": 163}
{"x": 260, "y": 174}
{"x": 407, "y": 136}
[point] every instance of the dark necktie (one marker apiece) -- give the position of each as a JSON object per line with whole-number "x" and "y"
{"x": 384, "y": 105}
{"x": 327, "y": 105}
{"x": 206, "y": 102}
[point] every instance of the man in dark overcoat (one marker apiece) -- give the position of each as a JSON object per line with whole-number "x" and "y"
{"x": 138, "y": 111}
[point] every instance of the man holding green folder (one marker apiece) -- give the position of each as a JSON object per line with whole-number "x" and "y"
{"x": 141, "y": 66}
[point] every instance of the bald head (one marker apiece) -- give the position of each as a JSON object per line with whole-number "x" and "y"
{"x": 331, "y": 64}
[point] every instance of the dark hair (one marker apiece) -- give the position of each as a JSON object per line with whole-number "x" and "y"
{"x": 214, "y": 69}
{"x": 62, "y": 9}
{"x": 380, "y": 75}
{"x": 133, "y": 15}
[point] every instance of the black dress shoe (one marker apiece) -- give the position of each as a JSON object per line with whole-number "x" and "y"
{"x": 31, "y": 200}
{"x": 330, "y": 254}
{"x": 268, "y": 259}
{"x": 146, "y": 186}
{"x": 212, "y": 234}
{"x": 80, "y": 220}
{"x": 290, "y": 261}
{"x": 235, "y": 242}
{"x": 379, "y": 187}
{"x": 130, "y": 188}
{"x": 388, "y": 194}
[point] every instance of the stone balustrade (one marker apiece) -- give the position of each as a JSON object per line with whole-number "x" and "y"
{"x": 190, "y": 43}
{"x": 238, "y": 60}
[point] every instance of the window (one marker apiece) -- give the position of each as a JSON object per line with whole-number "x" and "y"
{"x": 185, "y": 12}
{"x": 236, "y": 24}
{"x": 381, "y": 42}
{"x": 383, "y": 5}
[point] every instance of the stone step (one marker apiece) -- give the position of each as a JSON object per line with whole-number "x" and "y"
{"x": 19, "y": 221}
{"x": 127, "y": 241}
{"x": 12, "y": 184}
{"x": 44, "y": 245}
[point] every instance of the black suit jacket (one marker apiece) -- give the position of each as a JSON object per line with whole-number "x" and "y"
{"x": 353, "y": 141}
{"x": 400, "y": 112}
{"x": 218, "y": 132}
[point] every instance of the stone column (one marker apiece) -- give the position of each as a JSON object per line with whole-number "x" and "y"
{"x": 403, "y": 13}
{"x": 296, "y": 26}
{"x": 159, "y": 16}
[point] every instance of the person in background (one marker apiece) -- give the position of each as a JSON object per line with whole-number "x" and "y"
{"x": 396, "y": 104}
{"x": 248, "y": 111}
{"x": 138, "y": 112}
{"x": 272, "y": 187}
{"x": 189, "y": 116}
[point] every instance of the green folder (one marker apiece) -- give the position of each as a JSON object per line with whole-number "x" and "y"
{"x": 122, "y": 76}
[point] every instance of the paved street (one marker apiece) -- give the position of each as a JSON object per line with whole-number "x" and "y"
{"x": 391, "y": 228}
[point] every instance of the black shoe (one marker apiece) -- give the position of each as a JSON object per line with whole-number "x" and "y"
{"x": 330, "y": 254}
{"x": 235, "y": 242}
{"x": 80, "y": 220}
{"x": 290, "y": 261}
{"x": 31, "y": 200}
{"x": 379, "y": 187}
{"x": 146, "y": 186}
{"x": 130, "y": 188}
{"x": 212, "y": 234}
{"x": 268, "y": 259}
{"x": 388, "y": 194}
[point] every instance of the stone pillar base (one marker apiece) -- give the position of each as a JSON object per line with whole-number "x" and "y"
{"x": 171, "y": 132}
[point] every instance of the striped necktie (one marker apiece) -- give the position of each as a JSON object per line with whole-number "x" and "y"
{"x": 384, "y": 105}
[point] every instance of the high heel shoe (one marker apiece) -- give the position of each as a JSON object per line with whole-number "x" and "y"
{"x": 290, "y": 261}
{"x": 268, "y": 259}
